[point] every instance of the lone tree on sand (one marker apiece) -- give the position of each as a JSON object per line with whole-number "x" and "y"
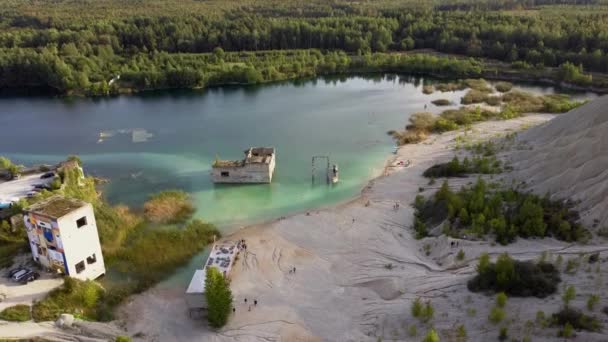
{"x": 219, "y": 298}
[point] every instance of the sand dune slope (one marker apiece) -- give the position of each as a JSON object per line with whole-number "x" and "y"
{"x": 568, "y": 158}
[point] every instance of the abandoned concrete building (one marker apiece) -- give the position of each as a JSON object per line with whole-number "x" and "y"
{"x": 63, "y": 237}
{"x": 257, "y": 167}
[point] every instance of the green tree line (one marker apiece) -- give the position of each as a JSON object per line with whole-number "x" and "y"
{"x": 78, "y": 45}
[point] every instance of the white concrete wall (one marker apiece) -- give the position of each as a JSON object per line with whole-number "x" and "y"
{"x": 80, "y": 243}
{"x": 250, "y": 173}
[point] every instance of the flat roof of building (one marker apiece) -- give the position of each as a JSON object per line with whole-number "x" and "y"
{"x": 56, "y": 206}
{"x": 228, "y": 163}
{"x": 221, "y": 257}
{"x": 253, "y": 155}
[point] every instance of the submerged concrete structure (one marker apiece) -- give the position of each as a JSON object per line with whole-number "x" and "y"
{"x": 257, "y": 167}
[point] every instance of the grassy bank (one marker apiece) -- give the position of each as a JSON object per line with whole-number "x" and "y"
{"x": 497, "y": 106}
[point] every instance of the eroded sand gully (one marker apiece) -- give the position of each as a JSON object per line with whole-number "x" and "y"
{"x": 358, "y": 269}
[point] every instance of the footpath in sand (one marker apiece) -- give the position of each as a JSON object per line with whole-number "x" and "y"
{"x": 358, "y": 269}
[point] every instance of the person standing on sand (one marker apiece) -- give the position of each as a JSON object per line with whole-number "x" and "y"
{"x": 255, "y": 302}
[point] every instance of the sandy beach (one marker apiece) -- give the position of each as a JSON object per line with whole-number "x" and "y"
{"x": 358, "y": 269}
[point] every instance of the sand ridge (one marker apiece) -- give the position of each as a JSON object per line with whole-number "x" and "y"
{"x": 568, "y": 158}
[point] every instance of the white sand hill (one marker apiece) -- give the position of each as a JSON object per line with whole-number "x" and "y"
{"x": 568, "y": 158}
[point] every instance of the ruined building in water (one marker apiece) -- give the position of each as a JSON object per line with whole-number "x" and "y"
{"x": 257, "y": 167}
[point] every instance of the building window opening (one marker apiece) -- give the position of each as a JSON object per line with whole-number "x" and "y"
{"x": 81, "y": 222}
{"x": 92, "y": 259}
{"x": 80, "y": 267}
{"x": 225, "y": 174}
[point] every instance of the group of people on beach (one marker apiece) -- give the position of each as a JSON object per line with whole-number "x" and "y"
{"x": 255, "y": 304}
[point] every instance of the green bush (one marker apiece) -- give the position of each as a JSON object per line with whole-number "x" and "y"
{"x": 576, "y": 319}
{"x": 16, "y": 313}
{"x": 496, "y": 315}
{"x": 424, "y": 312}
{"x": 573, "y": 73}
{"x": 592, "y": 301}
{"x": 450, "y": 86}
{"x": 431, "y": 336}
{"x": 422, "y": 121}
{"x": 412, "y": 331}
{"x": 478, "y": 84}
{"x": 568, "y": 331}
{"x": 123, "y": 339}
{"x": 523, "y": 102}
{"x": 445, "y": 125}
{"x": 417, "y": 308}
{"x": 74, "y": 296}
{"x": 503, "y": 87}
{"x": 493, "y": 100}
{"x": 218, "y": 297}
{"x": 474, "y": 96}
{"x": 501, "y": 299}
{"x": 569, "y": 295}
{"x": 427, "y": 312}
{"x": 515, "y": 278}
{"x": 441, "y": 102}
{"x": 503, "y": 334}
{"x": 507, "y": 213}
{"x": 457, "y": 168}
{"x": 461, "y": 333}
{"x": 171, "y": 206}
{"x": 460, "y": 255}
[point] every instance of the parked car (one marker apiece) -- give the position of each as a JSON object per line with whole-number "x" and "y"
{"x": 12, "y": 272}
{"x": 41, "y": 186}
{"x": 48, "y": 175}
{"x": 28, "y": 277}
{"x": 19, "y": 274}
{"x": 31, "y": 194}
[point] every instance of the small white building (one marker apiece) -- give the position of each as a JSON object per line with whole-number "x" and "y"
{"x": 63, "y": 237}
{"x": 222, "y": 257}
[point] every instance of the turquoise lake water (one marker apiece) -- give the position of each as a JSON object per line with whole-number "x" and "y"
{"x": 178, "y": 134}
{"x": 183, "y": 132}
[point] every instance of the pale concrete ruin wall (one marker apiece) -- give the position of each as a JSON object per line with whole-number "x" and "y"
{"x": 250, "y": 173}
